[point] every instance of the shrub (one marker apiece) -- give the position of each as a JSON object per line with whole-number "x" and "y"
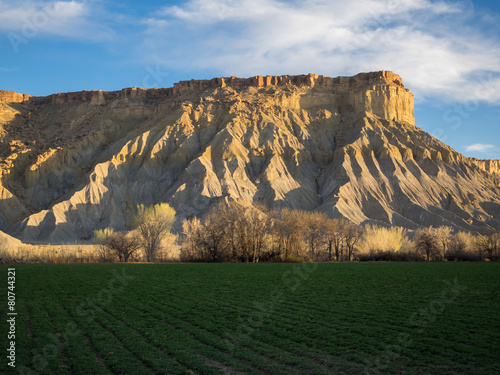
{"x": 382, "y": 240}
{"x": 390, "y": 256}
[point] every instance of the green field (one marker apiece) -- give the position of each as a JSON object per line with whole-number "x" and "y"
{"x": 387, "y": 318}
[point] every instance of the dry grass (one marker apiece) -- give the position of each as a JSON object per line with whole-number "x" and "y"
{"x": 50, "y": 254}
{"x": 78, "y": 253}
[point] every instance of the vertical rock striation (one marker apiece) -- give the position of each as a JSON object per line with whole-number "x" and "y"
{"x": 348, "y": 146}
{"x": 490, "y": 166}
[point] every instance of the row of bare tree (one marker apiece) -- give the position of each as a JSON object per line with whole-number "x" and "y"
{"x": 232, "y": 233}
{"x": 235, "y": 233}
{"x": 441, "y": 243}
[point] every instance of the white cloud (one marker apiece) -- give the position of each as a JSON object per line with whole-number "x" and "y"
{"x": 28, "y": 19}
{"x": 434, "y": 45}
{"x": 479, "y": 147}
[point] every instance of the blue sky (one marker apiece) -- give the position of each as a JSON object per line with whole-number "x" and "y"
{"x": 447, "y": 52}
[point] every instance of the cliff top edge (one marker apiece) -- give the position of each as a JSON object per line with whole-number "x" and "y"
{"x": 311, "y": 80}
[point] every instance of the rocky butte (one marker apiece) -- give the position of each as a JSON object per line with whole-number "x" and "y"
{"x": 348, "y": 146}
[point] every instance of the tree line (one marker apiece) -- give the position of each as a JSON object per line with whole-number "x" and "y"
{"x": 230, "y": 232}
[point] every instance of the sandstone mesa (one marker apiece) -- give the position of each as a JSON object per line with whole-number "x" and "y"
{"x": 348, "y": 146}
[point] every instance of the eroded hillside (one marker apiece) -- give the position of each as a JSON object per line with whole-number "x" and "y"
{"x": 347, "y": 146}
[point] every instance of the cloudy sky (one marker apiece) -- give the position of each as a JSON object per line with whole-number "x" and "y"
{"x": 447, "y": 52}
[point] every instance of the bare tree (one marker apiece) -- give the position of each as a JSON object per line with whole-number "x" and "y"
{"x": 287, "y": 230}
{"x": 168, "y": 249}
{"x": 460, "y": 244}
{"x": 191, "y": 247}
{"x": 335, "y": 237}
{"x": 124, "y": 244}
{"x": 443, "y": 236}
{"x": 488, "y": 245}
{"x": 426, "y": 242}
{"x": 315, "y": 231}
{"x": 352, "y": 233}
{"x": 245, "y": 230}
{"x": 232, "y": 215}
{"x": 153, "y": 223}
{"x": 279, "y": 232}
{"x": 213, "y": 239}
{"x": 494, "y": 248}
{"x": 260, "y": 224}
{"x": 228, "y": 231}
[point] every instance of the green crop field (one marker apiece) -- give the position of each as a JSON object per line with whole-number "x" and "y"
{"x": 385, "y": 318}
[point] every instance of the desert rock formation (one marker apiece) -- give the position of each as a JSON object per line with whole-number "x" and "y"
{"x": 348, "y": 146}
{"x": 490, "y": 166}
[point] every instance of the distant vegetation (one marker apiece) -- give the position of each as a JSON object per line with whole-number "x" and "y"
{"x": 229, "y": 233}
{"x": 232, "y": 233}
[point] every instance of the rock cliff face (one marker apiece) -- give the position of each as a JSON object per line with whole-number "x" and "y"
{"x": 348, "y": 146}
{"x": 490, "y": 166}
{"x": 13, "y": 97}
{"x": 381, "y": 93}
